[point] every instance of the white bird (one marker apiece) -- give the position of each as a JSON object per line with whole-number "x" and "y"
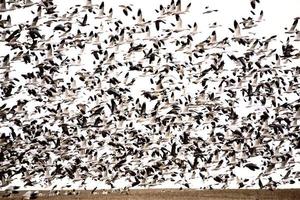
{"x": 297, "y": 38}
{"x": 237, "y": 30}
{"x": 30, "y": 195}
{"x": 293, "y": 27}
{"x": 178, "y": 26}
{"x": 29, "y": 3}
{"x": 213, "y": 38}
{"x": 3, "y": 6}
{"x": 101, "y": 13}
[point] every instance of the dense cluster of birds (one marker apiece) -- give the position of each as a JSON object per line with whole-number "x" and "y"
{"x": 136, "y": 102}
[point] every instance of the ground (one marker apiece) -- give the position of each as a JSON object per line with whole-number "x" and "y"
{"x": 159, "y": 194}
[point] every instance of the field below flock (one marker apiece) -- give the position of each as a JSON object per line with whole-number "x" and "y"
{"x": 159, "y": 194}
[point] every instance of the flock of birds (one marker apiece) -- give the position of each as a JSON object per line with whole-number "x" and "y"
{"x": 88, "y": 97}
